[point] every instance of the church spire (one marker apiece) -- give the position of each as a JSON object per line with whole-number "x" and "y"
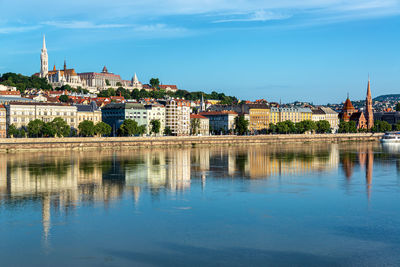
{"x": 368, "y": 107}
{"x": 44, "y": 60}
{"x": 369, "y": 88}
{"x": 65, "y": 64}
{"x": 44, "y": 43}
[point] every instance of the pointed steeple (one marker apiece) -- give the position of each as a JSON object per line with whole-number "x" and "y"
{"x": 369, "y": 113}
{"x": 44, "y": 60}
{"x": 44, "y": 43}
{"x": 369, "y": 88}
{"x": 135, "y": 78}
{"x": 65, "y": 64}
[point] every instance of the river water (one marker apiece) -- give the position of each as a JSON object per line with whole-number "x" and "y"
{"x": 286, "y": 205}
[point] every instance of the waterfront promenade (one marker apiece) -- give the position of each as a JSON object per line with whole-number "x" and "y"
{"x": 82, "y": 143}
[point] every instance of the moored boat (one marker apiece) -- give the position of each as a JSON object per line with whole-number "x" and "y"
{"x": 391, "y": 137}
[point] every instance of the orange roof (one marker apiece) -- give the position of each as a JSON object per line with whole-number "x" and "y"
{"x": 10, "y": 93}
{"x": 348, "y": 105}
{"x": 165, "y": 86}
{"x": 197, "y": 116}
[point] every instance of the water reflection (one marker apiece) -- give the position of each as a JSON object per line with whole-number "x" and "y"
{"x": 61, "y": 182}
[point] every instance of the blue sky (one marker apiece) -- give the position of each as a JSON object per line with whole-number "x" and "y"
{"x": 310, "y": 50}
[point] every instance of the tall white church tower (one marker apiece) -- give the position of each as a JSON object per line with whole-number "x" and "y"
{"x": 44, "y": 60}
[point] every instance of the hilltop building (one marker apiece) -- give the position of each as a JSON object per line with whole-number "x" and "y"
{"x": 93, "y": 81}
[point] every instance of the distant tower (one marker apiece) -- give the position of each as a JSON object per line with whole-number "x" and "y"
{"x": 65, "y": 65}
{"x": 44, "y": 60}
{"x": 369, "y": 113}
{"x": 202, "y": 104}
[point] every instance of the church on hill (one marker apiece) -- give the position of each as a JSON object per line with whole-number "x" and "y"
{"x": 364, "y": 119}
{"x": 93, "y": 81}
{"x": 57, "y": 78}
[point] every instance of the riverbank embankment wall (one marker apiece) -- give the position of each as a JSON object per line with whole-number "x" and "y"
{"x": 81, "y": 143}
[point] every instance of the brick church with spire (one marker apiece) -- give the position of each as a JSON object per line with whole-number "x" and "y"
{"x": 363, "y": 119}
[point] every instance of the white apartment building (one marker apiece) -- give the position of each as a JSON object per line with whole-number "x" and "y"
{"x": 177, "y": 116}
{"x": 20, "y": 114}
{"x": 323, "y": 113}
{"x": 155, "y": 112}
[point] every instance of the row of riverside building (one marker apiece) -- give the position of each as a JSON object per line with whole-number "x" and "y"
{"x": 176, "y": 114}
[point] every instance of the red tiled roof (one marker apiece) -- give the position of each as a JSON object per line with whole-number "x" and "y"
{"x": 10, "y": 93}
{"x": 197, "y": 116}
{"x": 165, "y": 86}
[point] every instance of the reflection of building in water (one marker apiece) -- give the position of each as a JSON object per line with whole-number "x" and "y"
{"x": 3, "y": 174}
{"x": 178, "y": 172}
{"x": 261, "y": 162}
{"x": 365, "y": 156}
{"x": 295, "y": 162}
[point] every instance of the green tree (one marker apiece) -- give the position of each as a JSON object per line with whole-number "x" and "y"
{"x": 141, "y": 130}
{"x": 12, "y": 131}
{"x": 48, "y": 130}
{"x": 323, "y": 126}
{"x": 155, "y": 126}
{"x": 102, "y": 129}
{"x": 35, "y": 128}
{"x": 86, "y": 128}
{"x": 22, "y": 133}
{"x": 305, "y": 126}
{"x": 63, "y": 98}
{"x": 398, "y": 106}
{"x": 397, "y": 127}
{"x": 107, "y": 82}
{"x": 167, "y": 131}
{"x": 195, "y": 126}
{"x": 272, "y": 128}
{"x": 154, "y": 82}
{"x": 282, "y": 127}
{"x": 381, "y": 127}
{"x": 23, "y": 82}
{"x": 62, "y": 129}
{"x": 241, "y": 125}
{"x": 128, "y": 128}
{"x": 119, "y": 84}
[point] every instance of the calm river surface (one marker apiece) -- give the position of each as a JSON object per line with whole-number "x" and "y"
{"x": 286, "y": 205}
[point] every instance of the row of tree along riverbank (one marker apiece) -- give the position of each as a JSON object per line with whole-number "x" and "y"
{"x": 80, "y": 143}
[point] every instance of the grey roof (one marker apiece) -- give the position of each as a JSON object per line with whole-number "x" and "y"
{"x": 87, "y": 108}
{"x": 124, "y": 106}
{"x": 318, "y": 112}
{"x": 328, "y": 110}
{"x": 4, "y": 99}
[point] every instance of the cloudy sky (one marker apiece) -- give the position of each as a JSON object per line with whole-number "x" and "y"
{"x": 311, "y": 50}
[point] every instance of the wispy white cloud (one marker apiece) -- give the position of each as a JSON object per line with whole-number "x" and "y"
{"x": 159, "y": 30}
{"x": 82, "y": 25}
{"x": 17, "y": 29}
{"x": 259, "y": 15}
{"x": 187, "y": 14}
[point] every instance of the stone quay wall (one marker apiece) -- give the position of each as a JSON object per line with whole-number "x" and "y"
{"x": 82, "y": 143}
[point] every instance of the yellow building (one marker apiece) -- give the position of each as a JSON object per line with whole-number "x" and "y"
{"x": 290, "y": 114}
{"x": 259, "y": 117}
{"x": 88, "y": 113}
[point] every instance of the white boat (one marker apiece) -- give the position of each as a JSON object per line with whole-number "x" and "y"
{"x": 391, "y": 137}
